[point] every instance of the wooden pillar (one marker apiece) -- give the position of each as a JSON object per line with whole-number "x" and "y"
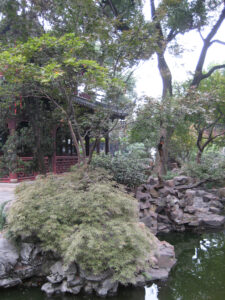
{"x": 87, "y": 145}
{"x": 12, "y": 126}
{"x": 13, "y": 177}
{"x": 54, "y": 169}
{"x": 107, "y": 144}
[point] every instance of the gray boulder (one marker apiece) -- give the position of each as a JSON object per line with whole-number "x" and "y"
{"x": 48, "y": 288}
{"x": 10, "y": 282}
{"x": 90, "y": 277}
{"x": 212, "y": 221}
{"x": 26, "y": 252}
{"x": 108, "y": 287}
{"x": 157, "y": 274}
{"x": 182, "y": 180}
{"x": 8, "y": 256}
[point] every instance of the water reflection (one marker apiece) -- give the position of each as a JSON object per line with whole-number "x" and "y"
{"x": 151, "y": 293}
{"x": 200, "y": 271}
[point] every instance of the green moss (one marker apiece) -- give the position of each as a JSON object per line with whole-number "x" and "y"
{"x": 86, "y": 217}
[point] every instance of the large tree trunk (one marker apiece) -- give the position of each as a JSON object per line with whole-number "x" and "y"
{"x": 199, "y": 157}
{"x": 75, "y": 142}
{"x": 166, "y": 77}
{"x": 164, "y": 131}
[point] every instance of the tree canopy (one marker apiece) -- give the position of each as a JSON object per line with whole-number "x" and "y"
{"x": 54, "y": 51}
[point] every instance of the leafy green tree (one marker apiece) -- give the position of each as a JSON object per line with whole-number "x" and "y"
{"x": 207, "y": 112}
{"x": 196, "y": 119}
{"x": 56, "y": 69}
{"x": 19, "y": 20}
{"x": 178, "y": 17}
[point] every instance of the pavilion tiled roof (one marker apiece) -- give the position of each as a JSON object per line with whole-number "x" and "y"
{"x": 115, "y": 112}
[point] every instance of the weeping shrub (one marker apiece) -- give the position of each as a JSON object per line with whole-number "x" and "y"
{"x": 86, "y": 217}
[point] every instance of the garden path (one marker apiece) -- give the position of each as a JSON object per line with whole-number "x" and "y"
{"x": 7, "y": 192}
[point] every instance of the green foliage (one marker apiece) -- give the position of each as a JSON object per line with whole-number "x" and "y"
{"x": 188, "y": 117}
{"x": 9, "y": 162}
{"x": 19, "y": 20}
{"x": 127, "y": 168}
{"x": 2, "y": 216}
{"x": 212, "y": 167}
{"x": 182, "y": 143}
{"x": 170, "y": 175}
{"x": 86, "y": 217}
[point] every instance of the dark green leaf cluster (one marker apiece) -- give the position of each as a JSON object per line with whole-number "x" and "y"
{"x": 127, "y": 168}
{"x": 183, "y": 15}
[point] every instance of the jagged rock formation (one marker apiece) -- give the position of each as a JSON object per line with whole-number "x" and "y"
{"x": 179, "y": 205}
{"x": 28, "y": 262}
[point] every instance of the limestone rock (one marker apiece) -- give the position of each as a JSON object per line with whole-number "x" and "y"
{"x": 26, "y": 252}
{"x": 140, "y": 280}
{"x": 221, "y": 193}
{"x": 144, "y": 205}
{"x": 182, "y": 180}
{"x": 10, "y": 282}
{"x": 166, "y": 258}
{"x": 108, "y": 286}
{"x": 8, "y": 256}
{"x": 157, "y": 274}
{"x": 150, "y": 222}
{"x": 212, "y": 221}
{"x": 88, "y": 289}
{"x": 91, "y": 277}
{"x": 76, "y": 290}
{"x": 163, "y": 228}
{"x": 189, "y": 209}
{"x": 152, "y": 181}
{"x": 142, "y": 196}
{"x": 154, "y": 193}
{"x": 48, "y": 288}
{"x": 75, "y": 282}
{"x": 178, "y": 208}
{"x": 216, "y": 204}
{"x": 209, "y": 197}
{"x": 57, "y": 268}
{"x": 57, "y": 273}
{"x": 63, "y": 287}
{"x": 215, "y": 210}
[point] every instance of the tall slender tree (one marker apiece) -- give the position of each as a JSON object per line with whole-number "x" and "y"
{"x": 170, "y": 19}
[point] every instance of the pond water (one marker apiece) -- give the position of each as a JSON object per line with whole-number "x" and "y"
{"x": 198, "y": 275}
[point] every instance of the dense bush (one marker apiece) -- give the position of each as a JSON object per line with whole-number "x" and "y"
{"x": 129, "y": 168}
{"x": 212, "y": 167}
{"x": 85, "y": 217}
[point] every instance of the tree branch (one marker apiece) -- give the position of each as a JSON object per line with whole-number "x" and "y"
{"x": 213, "y": 69}
{"x": 171, "y": 35}
{"x": 217, "y": 41}
{"x": 198, "y": 76}
{"x": 113, "y": 8}
{"x": 199, "y": 31}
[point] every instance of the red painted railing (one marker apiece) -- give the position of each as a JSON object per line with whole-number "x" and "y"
{"x": 62, "y": 164}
